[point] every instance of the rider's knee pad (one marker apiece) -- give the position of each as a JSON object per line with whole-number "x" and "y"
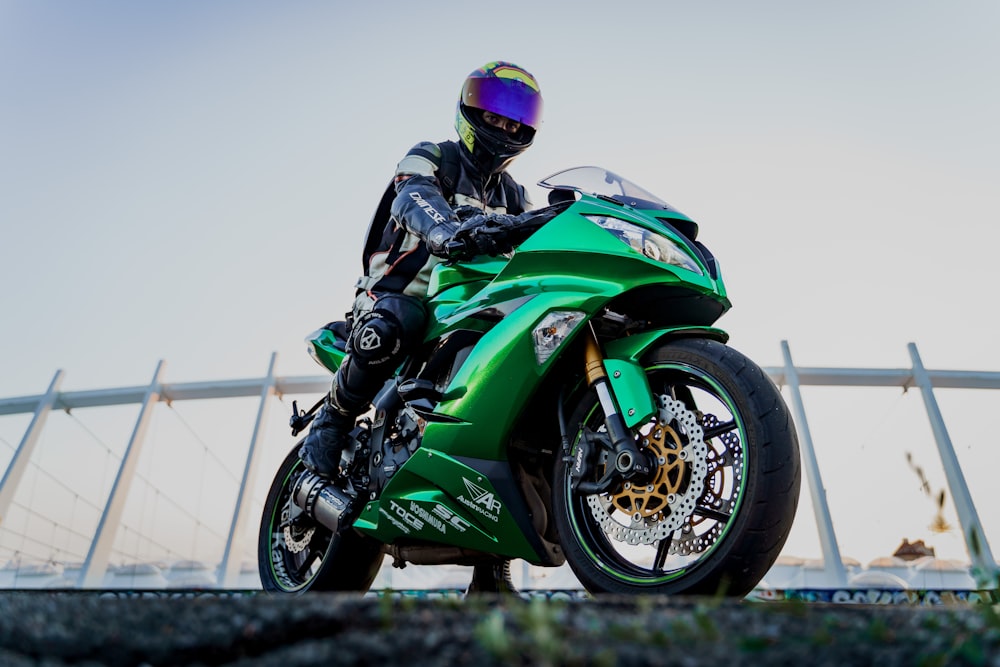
{"x": 382, "y": 336}
{"x": 376, "y": 340}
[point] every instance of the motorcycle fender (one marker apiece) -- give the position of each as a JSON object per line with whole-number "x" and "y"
{"x": 627, "y": 376}
{"x": 631, "y": 390}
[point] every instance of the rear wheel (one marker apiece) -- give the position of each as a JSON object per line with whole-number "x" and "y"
{"x": 296, "y": 554}
{"x": 715, "y": 514}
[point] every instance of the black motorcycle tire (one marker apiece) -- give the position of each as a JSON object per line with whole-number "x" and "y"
{"x": 345, "y": 561}
{"x": 749, "y": 539}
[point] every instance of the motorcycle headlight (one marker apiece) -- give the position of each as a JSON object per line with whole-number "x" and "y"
{"x": 654, "y": 246}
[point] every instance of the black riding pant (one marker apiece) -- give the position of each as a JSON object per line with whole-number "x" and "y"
{"x": 379, "y": 340}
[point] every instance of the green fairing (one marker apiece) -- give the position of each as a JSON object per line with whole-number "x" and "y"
{"x": 478, "y": 521}
{"x": 324, "y": 350}
{"x": 504, "y": 300}
{"x": 501, "y": 374}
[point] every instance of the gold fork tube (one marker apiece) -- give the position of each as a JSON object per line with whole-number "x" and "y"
{"x": 594, "y": 359}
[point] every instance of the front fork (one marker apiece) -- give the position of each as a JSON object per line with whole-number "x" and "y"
{"x": 629, "y": 462}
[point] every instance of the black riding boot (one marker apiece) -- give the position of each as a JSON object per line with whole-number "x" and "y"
{"x": 491, "y": 578}
{"x": 328, "y": 436}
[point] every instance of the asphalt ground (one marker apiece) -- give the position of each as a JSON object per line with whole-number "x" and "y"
{"x": 92, "y": 628}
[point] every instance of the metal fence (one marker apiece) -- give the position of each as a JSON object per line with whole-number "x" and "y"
{"x": 788, "y": 376}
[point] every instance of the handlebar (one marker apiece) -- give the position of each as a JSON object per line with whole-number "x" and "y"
{"x": 514, "y": 230}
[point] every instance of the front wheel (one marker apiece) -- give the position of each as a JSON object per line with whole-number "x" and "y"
{"x": 296, "y": 554}
{"x": 716, "y": 512}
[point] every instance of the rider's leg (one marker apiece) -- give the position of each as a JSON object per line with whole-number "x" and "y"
{"x": 385, "y": 330}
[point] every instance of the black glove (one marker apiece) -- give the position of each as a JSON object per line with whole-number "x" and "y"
{"x": 495, "y": 233}
{"x": 484, "y": 234}
{"x": 461, "y": 239}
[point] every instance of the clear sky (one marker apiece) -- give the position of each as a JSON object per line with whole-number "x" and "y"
{"x": 191, "y": 180}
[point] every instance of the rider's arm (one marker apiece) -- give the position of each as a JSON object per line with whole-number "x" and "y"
{"x": 420, "y": 205}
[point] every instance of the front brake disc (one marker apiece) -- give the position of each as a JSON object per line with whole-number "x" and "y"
{"x": 649, "y": 513}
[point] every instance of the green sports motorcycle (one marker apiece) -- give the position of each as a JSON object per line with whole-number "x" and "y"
{"x": 572, "y": 403}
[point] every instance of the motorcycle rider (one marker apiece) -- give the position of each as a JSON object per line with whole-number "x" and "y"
{"x": 451, "y": 201}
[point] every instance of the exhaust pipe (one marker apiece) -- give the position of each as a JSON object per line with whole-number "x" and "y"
{"x": 321, "y": 500}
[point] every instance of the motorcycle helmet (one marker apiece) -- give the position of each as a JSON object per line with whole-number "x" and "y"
{"x": 503, "y": 89}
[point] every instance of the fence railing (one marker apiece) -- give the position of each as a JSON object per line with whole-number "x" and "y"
{"x": 158, "y": 391}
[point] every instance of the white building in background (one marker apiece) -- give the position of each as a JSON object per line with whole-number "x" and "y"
{"x": 106, "y": 543}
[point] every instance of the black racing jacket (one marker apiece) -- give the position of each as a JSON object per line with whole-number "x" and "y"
{"x": 417, "y": 218}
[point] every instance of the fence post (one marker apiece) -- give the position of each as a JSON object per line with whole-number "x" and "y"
{"x": 833, "y": 565}
{"x": 22, "y": 456}
{"x": 984, "y": 567}
{"x": 231, "y": 558}
{"x": 96, "y": 564}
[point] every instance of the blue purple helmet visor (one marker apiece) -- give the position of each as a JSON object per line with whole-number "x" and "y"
{"x": 506, "y": 90}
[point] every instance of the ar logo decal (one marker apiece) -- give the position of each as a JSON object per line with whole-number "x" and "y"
{"x": 482, "y": 497}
